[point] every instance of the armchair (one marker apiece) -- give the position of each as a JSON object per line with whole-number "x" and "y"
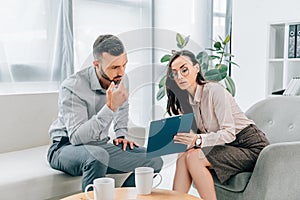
{"x": 276, "y": 174}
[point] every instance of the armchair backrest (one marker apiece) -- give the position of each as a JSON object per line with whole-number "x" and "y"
{"x": 278, "y": 117}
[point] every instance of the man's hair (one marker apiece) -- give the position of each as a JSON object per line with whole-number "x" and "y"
{"x": 109, "y": 44}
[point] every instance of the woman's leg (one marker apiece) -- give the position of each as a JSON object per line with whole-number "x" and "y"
{"x": 182, "y": 180}
{"x": 198, "y": 165}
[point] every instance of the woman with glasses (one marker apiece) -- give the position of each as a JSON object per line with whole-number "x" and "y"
{"x": 226, "y": 143}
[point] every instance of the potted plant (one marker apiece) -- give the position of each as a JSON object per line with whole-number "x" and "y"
{"x": 214, "y": 66}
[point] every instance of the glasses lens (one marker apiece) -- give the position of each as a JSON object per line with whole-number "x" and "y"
{"x": 184, "y": 71}
{"x": 173, "y": 75}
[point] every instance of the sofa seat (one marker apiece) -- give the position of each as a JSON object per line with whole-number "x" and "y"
{"x": 26, "y": 174}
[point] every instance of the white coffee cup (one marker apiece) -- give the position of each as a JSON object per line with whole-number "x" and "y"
{"x": 103, "y": 189}
{"x": 144, "y": 179}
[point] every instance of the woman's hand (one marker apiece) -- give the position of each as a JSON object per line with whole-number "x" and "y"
{"x": 188, "y": 139}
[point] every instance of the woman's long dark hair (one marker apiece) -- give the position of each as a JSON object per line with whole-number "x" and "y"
{"x": 178, "y": 101}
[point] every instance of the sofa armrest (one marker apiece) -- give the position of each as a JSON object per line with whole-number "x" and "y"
{"x": 276, "y": 173}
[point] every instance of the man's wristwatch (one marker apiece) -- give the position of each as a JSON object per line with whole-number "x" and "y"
{"x": 198, "y": 140}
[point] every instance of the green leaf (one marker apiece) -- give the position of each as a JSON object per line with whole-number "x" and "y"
{"x": 161, "y": 93}
{"x": 227, "y": 39}
{"x": 232, "y": 63}
{"x": 204, "y": 67}
{"x": 223, "y": 70}
{"x": 222, "y": 67}
{"x": 202, "y": 57}
{"x": 218, "y": 45}
{"x": 162, "y": 81}
{"x": 230, "y": 86}
{"x": 186, "y": 40}
{"x": 228, "y": 54}
{"x": 180, "y": 40}
{"x": 215, "y": 74}
{"x": 165, "y": 58}
{"x": 211, "y": 49}
{"x": 212, "y": 57}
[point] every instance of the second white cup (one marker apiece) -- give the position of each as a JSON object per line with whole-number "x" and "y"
{"x": 144, "y": 179}
{"x": 103, "y": 189}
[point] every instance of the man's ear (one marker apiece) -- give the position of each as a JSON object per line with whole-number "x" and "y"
{"x": 96, "y": 64}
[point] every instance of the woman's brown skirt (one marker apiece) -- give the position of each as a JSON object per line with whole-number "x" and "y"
{"x": 239, "y": 156}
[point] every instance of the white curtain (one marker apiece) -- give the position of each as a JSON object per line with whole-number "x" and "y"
{"x": 36, "y": 45}
{"x": 63, "y": 53}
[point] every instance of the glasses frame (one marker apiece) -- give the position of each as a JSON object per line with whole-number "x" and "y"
{"x": 173, "y": 74}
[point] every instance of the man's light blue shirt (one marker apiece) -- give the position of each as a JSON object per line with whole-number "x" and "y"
{"x": 83, "y": 114}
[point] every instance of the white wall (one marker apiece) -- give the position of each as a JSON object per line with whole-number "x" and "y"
{"x": 250, "y": 20}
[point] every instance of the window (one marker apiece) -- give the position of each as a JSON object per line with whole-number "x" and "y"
{"x": 222, "y": 21}
{"x": 26, "y": 46}
{"x": 221, "y": 18}
{"x": 130, "y": 21}
{"x": 45, "y": 41}
{"x": 203, "y": 21}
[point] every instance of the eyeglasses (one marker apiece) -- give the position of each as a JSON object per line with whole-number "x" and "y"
{"x": 184, "y": 71}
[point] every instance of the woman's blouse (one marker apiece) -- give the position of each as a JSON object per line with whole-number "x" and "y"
{"x": 217, "y": 114}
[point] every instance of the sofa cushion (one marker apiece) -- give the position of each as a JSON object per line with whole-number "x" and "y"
{"x": 26, "y": 174}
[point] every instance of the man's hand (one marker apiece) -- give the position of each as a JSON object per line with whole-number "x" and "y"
{"x": 115, "y": 98}
{"x": 125, "y": 143}
{"x": 188, "y": 139}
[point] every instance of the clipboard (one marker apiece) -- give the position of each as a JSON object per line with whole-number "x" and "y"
{"x": 161, "y": 133}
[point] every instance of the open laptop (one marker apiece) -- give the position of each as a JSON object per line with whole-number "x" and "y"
{"x": 161, "y": 134}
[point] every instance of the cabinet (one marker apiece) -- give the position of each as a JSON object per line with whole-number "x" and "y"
{"x": 281, "y": 69}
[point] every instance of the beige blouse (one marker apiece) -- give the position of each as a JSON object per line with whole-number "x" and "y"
{"x": 217, "y": 115}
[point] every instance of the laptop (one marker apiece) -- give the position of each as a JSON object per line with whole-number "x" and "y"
{"x": 161, "y": 134}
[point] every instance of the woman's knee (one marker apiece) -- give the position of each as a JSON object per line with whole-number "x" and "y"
{"x": 181, "y": 158}
{"x": 196, "y": 156}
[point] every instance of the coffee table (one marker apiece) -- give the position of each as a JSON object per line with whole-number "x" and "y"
{"x": 129, "y": 193}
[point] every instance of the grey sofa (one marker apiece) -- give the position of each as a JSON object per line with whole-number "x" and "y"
{"x": 24, "y": 170}
{"x": 277, "y": 172}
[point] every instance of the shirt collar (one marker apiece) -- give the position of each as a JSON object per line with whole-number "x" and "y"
{"x": 198, "y": 94}
{"x": 94, "y": 80}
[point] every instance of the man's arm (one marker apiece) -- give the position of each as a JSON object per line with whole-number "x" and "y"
{"x": 80, "y": 128}
{"x": 121, "y": 121}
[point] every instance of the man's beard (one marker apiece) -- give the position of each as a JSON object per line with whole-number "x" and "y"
{"x": 107, "y": 78}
